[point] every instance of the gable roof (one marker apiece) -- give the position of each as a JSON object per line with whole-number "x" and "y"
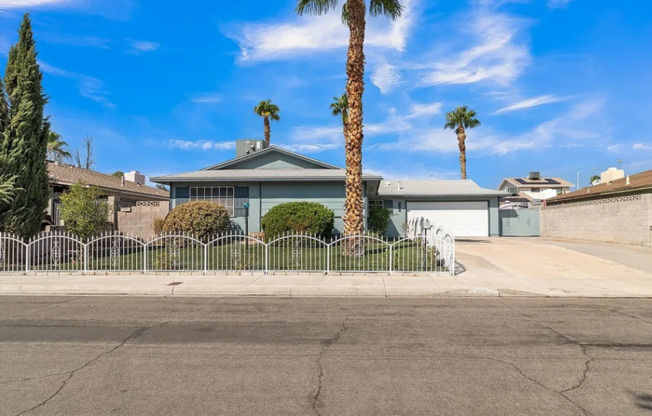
{"x": 639, "y": 182}
{"x": 536, "y": 183}
{"x": 63, "y": 174}
{"x": 430, "y": 187}
{"x": 266, "y": 151}
{"x": 260, "y": 175}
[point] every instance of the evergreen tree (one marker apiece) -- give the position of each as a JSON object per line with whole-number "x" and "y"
{"x": 4, "y": 112}
{"x": 24, "y": 141}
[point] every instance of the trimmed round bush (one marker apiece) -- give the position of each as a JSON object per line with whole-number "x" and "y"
{"x": 305, "y": 217}
{"x": 203, "y": 219}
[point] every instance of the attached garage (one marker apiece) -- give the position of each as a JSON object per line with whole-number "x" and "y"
{"x": 461, "y": 207}
{"x": 462, "y": 218}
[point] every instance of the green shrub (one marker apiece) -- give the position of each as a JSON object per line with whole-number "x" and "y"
{"x": 202, "y": 219}
{"x": 378, "y": 220}
{"x": 157, "y": 225}
{"x": 305, "y": 217}
{"x": 83, "y": 213}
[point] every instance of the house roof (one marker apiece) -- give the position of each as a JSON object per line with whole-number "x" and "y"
{"x": 63, "y": 174}
{"x": 639, "y": 182}
{"x": 251, "y": 175}
{"x": 536, "y": 183}
{"x": 226, "y": 171}
{"x": 271, "y": 149}
{"x": 424, "y": 188}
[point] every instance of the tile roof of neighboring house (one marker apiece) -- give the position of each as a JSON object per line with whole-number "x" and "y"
{"x": 69, "y": 175}
{"x": 430, "y": 187}
{"x": 537, "y": 183}
{"x": 249, "y": 175}
{"x": 640, "y": 181}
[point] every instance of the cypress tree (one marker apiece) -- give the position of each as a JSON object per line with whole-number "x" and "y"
{"x": 24, "y": 141}
{"x": 4, "y": 112}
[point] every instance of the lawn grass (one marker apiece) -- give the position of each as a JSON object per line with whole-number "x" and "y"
{"x": 303, "y": 256}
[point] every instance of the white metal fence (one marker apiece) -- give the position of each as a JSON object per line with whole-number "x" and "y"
{"x": 61, "y": 252}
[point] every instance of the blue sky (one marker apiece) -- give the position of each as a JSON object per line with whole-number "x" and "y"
{"x": 560, "y": 86}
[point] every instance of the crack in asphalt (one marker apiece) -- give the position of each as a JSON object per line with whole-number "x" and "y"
{"x": 325, "y": 345}
{"x": 33, "y": 378}
{"x": 619, "y": 312}
{"x": 583, "y": 348}
{"x": 135, "y": 334}
{"x": 509, "y": 363}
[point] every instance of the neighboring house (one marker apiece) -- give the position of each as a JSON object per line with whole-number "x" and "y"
{"x": 618, "y": 211}
{"x": 132, "y": 204}
{"x": 533, "y": 188}
{"x": 265, "y": 177}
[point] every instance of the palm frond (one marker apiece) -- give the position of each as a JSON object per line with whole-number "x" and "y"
{"x": 390, "y": 8}
{"x": 316, "y": 7}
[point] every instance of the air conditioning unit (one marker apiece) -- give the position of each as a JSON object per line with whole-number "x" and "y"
{"x": 534, "y": 175}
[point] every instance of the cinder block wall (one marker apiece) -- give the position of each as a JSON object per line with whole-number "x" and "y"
{"x": 623, "y": 219}
{"x": 137, "y": 218}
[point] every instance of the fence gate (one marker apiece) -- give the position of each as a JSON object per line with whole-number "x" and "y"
{"x": 520, "y": 222}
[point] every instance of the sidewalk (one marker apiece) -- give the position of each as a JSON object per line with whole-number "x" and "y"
{"x": 467, "y": 284}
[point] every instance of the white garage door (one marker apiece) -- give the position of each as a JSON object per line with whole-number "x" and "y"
{"x": 463, "y": 219}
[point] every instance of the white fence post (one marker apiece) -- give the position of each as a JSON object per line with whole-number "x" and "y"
{"x": 391, "y": 258}
{"x": 85, "y": 258}
{"x": 28, "y": 253}
{"x": 145, "y": 257}
{"x": 206, "y": 259}
{"x": 267, "y": 258}
{"x": 328, "y": 258}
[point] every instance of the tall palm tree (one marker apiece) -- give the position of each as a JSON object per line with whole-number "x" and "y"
{"x": 459, "y": 120}
{"x": 267, "y": 111}
{"x": 353, "y": 15}
{"x": 57, "y": 148}
{"x": 340, "y": 106}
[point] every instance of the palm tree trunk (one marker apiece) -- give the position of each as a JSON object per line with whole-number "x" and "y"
{"x": 461, "y": 139}
{"x": 354, "y": 207}
{"x": 267, "y": 130}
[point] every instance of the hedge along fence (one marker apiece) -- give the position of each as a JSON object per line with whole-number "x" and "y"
{"x": 60, "y": 252}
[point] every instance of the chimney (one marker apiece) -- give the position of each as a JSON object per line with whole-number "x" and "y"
{"x": 627, "y": 180}
{"x": 135, "y": 177}
{"x": 247, "y": 147}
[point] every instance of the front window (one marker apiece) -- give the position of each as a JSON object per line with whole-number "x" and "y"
{"x": 536, "y": 189}
{"x": 223, "y": 195}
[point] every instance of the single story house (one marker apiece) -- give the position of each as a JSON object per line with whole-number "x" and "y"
{"x": 618, "y": 211}
{"x": 266, "y": 176}
{"x": 132, "y": 204}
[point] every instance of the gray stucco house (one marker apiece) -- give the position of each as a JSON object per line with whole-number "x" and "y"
{"x": 268, "y": 176}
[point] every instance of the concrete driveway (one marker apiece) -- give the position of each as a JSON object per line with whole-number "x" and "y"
{"x": 547, "y": 258}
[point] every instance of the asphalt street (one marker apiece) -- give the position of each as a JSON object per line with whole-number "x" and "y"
{"x": 324, "y": 356}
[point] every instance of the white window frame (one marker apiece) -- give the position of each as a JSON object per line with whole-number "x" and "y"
{"x": 219, "y": 194}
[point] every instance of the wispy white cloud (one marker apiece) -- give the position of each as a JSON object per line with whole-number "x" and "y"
{"x": 13, "y": 4}
{"x": 309, "y": 34}
{"x": 207, "y": 98}
{"x": 200, "y": 144}
{"x": 386, "y": 77}
{"x": 497, "y": 54}
{"x": 89, "y": 87}
{"x": 530, "y": 103}
{"x": 571, "y": 128}
{"x": 424, "y": 110}
{"x": 642, "y": 146}
{"x": 139, "y": 46}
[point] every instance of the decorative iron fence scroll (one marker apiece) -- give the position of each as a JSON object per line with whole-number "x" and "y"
{"x": 300, "y": 253}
